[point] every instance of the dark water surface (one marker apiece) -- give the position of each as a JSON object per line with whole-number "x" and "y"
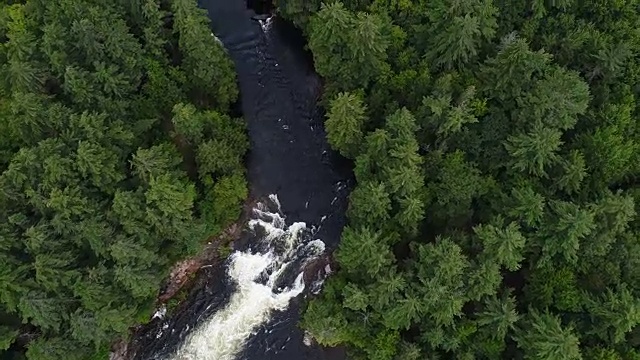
{"x": 289, "y": 157}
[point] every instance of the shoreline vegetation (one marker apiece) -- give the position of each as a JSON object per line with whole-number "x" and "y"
{"x": 183, "y": 279}
{"x": 118, "y": 158}
{"x": 496, "y": 150}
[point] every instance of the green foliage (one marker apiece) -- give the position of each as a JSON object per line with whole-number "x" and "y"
{"x": 456, "y": 30}
{"x": 369, "y": 203}
{"x": 209, "y": 72}
{"x": 56, "y": 348}
{"x": 7, "y": 335}
{"x": 445, "y": 115}
{"x": 498, "y": 316}
{"x": 299, "y": 11}
{"x": 505, "y": 244}
{"x": 366, "y": 261}
{"x": 348, "y": 48}
{"x": 543, "y": 337}
{"x": 117, "y": 158}
{"x": 345, "y": 121}
{"x": 495, "y": 148}
{"x": 221, "y": 203}
{"x": 440, "y": 267}
{"x": 534, "y": 151}
{"x": 456, "y": 185}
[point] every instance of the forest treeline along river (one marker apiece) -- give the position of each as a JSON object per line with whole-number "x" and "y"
{"x": 248, "y": 308}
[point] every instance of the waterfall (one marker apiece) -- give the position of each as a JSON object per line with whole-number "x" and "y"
{"x": 268, "y": 276}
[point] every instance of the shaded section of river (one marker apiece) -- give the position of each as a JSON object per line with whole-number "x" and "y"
{"x": 289, "y": 157}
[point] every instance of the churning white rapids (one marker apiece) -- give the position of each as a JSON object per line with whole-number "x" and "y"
{"x": 259, "y": 276}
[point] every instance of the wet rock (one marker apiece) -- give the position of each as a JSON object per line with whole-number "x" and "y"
{"x": 317, "y": 269}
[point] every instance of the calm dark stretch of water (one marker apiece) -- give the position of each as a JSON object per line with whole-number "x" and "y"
{"x": 289, "y": 157}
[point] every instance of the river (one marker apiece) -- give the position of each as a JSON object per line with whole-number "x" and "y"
{"x": 248, "y": 307}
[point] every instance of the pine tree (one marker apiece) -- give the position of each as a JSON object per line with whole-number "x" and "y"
{"x": 505, "y": 243}
{"x": 542, "y": 336}
{"x": 363, "y": 251}
{"x": 499, "y": 315}
{"x": 356, "y": 38}
{"x": 345, "y": 121}
{"x": 533, "y": 152}
{"x": 439, "y": 268}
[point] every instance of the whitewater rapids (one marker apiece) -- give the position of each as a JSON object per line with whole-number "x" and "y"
{"x": 266, "y": 282}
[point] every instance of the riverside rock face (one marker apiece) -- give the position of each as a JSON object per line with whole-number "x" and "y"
{"x": 290, "y": 159}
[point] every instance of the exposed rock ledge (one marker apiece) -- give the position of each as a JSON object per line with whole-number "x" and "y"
{"x": 183, "y": 272}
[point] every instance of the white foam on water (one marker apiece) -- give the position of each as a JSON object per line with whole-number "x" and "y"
{"x": 223, "y": 335}
{"x": 217, "y": 40}
{"x": 266, "y": 24}
{"x": 160, "y": 313}
{"x": 308, "y": 339}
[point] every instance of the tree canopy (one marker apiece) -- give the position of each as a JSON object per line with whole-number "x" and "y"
{"x": 496, "y": 150}
{"x": 118, "y": 156}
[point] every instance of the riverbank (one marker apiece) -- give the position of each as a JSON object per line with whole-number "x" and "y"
{"x": 189, "y": 276}
{"x": 215, "y": 251}
{"x": 182, "y": 279}
{"x": 288, "y": 157}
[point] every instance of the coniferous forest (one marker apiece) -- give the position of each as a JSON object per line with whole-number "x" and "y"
{"x": 496, "y": 152}
{"x": 495, "y": 147}
{"x": 119, "y": 155}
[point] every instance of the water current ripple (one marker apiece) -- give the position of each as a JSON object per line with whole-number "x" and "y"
{"x": 289, "y": 157}
{"x": 264, "y": 284}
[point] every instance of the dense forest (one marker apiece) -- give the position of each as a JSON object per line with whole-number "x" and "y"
{"x": 496, "y": 152}
{"x": 119, "y": 154}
